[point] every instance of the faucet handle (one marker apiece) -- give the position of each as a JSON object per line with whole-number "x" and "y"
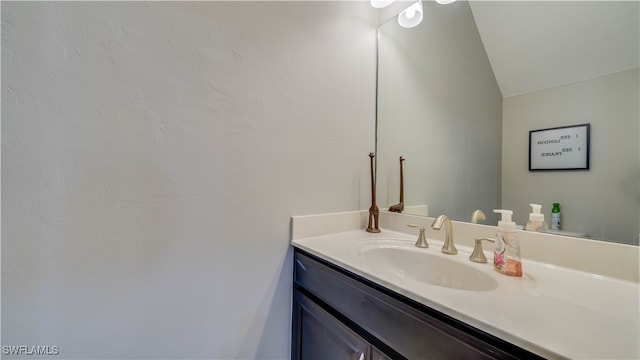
{"x": 478, "y": 255}
{"x": 422, "y": 239}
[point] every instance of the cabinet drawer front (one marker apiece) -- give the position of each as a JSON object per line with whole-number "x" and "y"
{"x": 323, "y": 337}
{"x": 408, "y": 330}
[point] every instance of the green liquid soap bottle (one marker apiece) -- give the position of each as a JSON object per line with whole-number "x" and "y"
{"x": 536, "y": 219}
{"x": 506, "y": 256}
{"x": 555, "y": 217}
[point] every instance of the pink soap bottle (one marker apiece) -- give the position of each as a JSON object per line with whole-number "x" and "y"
{"x": 506, "y": 256}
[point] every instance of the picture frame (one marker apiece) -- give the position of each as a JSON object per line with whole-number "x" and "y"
{"x": 560, "y": 148}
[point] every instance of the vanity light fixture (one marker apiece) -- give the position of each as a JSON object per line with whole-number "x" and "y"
{"x": 379, "y": 4}
{"x": 412, "y": 16}
{"x": 443, "y": 2}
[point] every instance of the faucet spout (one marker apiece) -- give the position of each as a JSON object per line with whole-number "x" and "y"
{"x": 477, "y": 216}
{"x": 449, "y": 247}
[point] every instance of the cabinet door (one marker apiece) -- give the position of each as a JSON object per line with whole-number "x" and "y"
{"x": 318, "y": 335}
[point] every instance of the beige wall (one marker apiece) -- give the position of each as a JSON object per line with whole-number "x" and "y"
{"x": 603, "y": 201}
{"x": 152, "y": 156}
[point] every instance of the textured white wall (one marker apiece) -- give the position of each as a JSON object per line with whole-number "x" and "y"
{"x": 440, "y": 107}
{"x": 152, "y": 154}
{"x": 603, "y": 202}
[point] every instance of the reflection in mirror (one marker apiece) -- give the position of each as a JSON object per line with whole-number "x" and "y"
{"x": 459, "y": 93}
{"x": 439, "y": 107}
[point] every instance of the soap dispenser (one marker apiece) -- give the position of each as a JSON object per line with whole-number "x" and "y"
{"x": 536, "y": 219}
{"x": 555, "y": 217}
{"x": 506, "y": 256}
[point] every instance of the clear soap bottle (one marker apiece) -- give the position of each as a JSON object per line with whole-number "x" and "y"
{"x": 506, "y": 256}
{"x": 536, "y": 219}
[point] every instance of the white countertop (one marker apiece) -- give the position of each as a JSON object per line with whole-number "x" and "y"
{"x": 553, "y": 311}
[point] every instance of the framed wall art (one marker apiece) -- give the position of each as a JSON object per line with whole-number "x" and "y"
{"x": 560, "y": 148}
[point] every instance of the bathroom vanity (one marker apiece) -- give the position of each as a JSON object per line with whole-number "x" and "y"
{"x": 340, "y": 315}
{"x": 359, "y": 295}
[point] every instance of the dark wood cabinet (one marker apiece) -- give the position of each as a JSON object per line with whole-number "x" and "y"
{"x": 340, "y": 315}
{"x": 322, "y": 337}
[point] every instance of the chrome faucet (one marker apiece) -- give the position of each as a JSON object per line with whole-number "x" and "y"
{"x": 478, "y": 254}
{"x": 422, "y": 239}
{"x": 478, "y": 215}
{"x": 448, "y": 247}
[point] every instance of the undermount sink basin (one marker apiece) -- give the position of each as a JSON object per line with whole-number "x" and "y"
{"x": 419, "y": 265}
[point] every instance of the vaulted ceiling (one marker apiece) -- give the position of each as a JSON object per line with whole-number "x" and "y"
{"x": 535, "y": 45}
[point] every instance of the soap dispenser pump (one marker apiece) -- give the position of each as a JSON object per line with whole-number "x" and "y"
{"x": 536, "y": 219}
{"x": 506, "y": 256}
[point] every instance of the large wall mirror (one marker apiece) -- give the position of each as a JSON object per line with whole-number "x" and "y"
{"x": 459, "y": 93}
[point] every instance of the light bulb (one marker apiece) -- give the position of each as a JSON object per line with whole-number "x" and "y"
{"x": 412, "y": 16}
{"x": 411, "y": 12}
